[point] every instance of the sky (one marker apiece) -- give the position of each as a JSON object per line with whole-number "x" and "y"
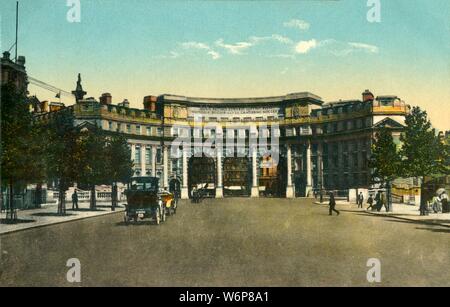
{"x": 220, "y": 48}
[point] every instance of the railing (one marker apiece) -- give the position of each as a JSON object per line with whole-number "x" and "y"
{"x": 85, "y": 196}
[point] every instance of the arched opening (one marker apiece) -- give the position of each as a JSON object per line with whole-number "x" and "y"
{"x": 202, "y": 175}
{"x": 237, "y": 176}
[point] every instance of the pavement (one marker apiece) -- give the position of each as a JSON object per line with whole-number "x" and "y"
{"x": 232, "y": 242}
{"x": 47, "y": 215}
{"x": 400, "y": 211}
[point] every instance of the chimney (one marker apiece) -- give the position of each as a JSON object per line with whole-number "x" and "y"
{"x": 367, "y": 96}
{"x": 6, "y": 55}
{"x": 126, "y": 103}
{"x": 150, "y": 103}
{"x": 106, "y": 98}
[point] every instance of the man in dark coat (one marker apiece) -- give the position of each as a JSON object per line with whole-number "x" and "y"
{"x": 360, "y": 200}
{"x": 333, "y": 204}
{"x": 370, "y": 202}
{"x": 75, "y": 200}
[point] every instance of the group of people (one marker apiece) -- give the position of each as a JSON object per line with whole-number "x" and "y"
{"x": 437, "y": 204}
{"x": 375, "y": 204}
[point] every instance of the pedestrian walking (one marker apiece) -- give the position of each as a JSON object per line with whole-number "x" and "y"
{"x": 332, "y": 204}
{"x": 444, "y": 201}
{"x": 75, "y": 200}
{"x": 384, "y": 202}
{"x": 370, "y": 202}
{"x": 360, "y": 200}
{"x": 378, "y": 203}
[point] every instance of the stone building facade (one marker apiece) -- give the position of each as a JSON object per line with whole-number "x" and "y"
{"x": 319, "y": 145}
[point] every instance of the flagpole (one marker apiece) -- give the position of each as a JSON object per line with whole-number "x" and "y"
{"x": 17, "y": 27}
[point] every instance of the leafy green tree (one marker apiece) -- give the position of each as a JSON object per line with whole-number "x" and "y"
{"x": 385, "y": 161}
{"x": 119, "y": 166}
{"x": 63, "y": 155}
{"x": 423, "y": 152}
{"x": 19, "y": 166}
{"x": 93, "y": 160}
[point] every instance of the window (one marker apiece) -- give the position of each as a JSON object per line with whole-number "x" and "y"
{"x": 138, "y": 129}
{"x": 128, "y": 128}
{"x": 159, "y": 131}
{"x": 149, "y": 131}
{"x": 137, "y": 154}
{"x": 349, "y": 125}
{"x": 119, "y": 127}
{"x": 110, "y": 126}
{"x": 158, "y": 155}
{"x": 148, "y": 155}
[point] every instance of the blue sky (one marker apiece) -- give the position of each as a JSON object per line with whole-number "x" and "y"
{"x": 239, "y": 48}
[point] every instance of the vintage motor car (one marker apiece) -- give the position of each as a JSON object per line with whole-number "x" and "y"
{"x": 145, "y": 200}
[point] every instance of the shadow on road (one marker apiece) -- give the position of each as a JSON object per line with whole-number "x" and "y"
{"x": 136, "y": 224}
{"x": 51, "y": 214}
{"x": 15, "y": 222}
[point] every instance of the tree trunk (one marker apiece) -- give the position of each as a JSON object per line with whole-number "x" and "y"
{"x": 93, "y": 199}
{"x": 11, "y": 201}
{"x": 389, "y": 196}
{"x": 113, "y": 197}
{"x": 61, "y": 200}
{"x": 38, "y": 195}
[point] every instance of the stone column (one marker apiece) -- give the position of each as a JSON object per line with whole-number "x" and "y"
{"x": 143, "y": 168}
{"x": 308, "y": 170}
{"x": 320, "y": 164}
{"x": 166, "y": 167}
{"x": 219, "y": 188}
{"x": 184, "y": 187}
{"x": 255, "y": 184}
{"x": 133, "y": 156}
{"x": 290, "y": 187}
{"x": 154, "y": 160}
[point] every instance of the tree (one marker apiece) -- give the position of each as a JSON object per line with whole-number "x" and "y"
{"x": 93, "y": 162}
{"x": 385, "y": 161}
{"x": 19, "y": 166}
{"x": 119, "y": 166}
{"x": 423, "y": 152}
{"x": 62, "y": 153}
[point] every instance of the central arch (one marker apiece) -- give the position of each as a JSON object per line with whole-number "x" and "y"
{"x": 237, "y": 176}
{"x": 202, "y": 175}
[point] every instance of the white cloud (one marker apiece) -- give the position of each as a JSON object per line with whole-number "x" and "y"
{"x": 335, "y": 47}
{"x": 214, "y": 54}
{"x": 202, "y": 46}
{"x": 195, "y": 45}
{"x": 297, "y": 23}
{"x": 305, "y": 46}
{"x": 283, "y": 56}
{"x": 274, "y": 37}
{"x": 236, "y": 48}
{"x": 365, "y": 47}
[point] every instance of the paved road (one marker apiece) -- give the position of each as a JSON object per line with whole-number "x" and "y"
{"x": 233, "y": 242}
